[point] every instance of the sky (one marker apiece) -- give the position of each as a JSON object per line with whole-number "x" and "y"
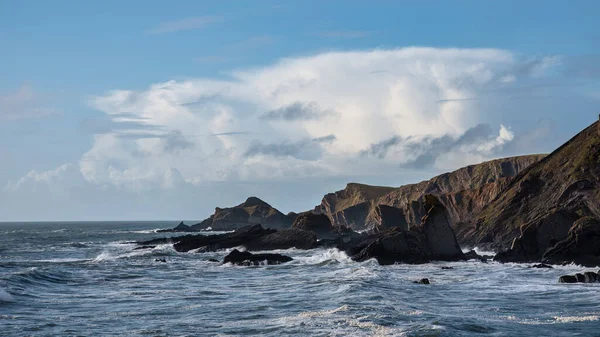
{"x": 154, "y": 110}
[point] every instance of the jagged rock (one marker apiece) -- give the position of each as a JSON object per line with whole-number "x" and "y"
{"x": 144, "y": 247}
{"x": 382, "y": 217}
{"x": 422, "y": 281}
{"x": 582, "y": 245}
{"x": 253, "y": 237}
{"x": 251, "y": 212}
{"x": 180, "y": 228}
{"x": 541, "y": 204}
{"x": 160, "y": 260}
{"x": 213, "y": 260}
{"x": 541, "y": 266}
{"x": 463, "y": 192}
{"x": 447, "y": 268}
{"x": 586, "y": 277}
{"x": 317, "y": 223}
{"x": 590, "y": 277}
{"x": 567, "y": 279}
{"x": 284, "y": 239}
{"x": 433, "y": 239}
{"x": 536, "y": 237}
{"x": 248, "y": 259}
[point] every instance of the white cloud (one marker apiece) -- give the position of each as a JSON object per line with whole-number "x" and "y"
{"x": 328, "y": 115}
{"x": 24, "y": 103}
{"x": 346, "y": 95}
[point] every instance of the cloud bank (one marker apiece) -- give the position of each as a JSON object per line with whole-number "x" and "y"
{"x": 330, "y": 115}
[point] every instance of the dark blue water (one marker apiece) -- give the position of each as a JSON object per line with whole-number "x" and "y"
{"x": 79, "y": 279}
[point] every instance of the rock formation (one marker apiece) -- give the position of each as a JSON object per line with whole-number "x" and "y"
{"x": 540, "y": 206}
{"x": 253, "y": 211}
{"x": 582, "y": 245}
{"x": 248, "y": 259}
{"x": 432, "y": 239}
{"x": 587, "y": 277}
{"x": 253, "y": 237}
{"x": 180, "y": 228}
{"x": 463, "y": 193}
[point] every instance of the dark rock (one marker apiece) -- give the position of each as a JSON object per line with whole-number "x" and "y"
{"x": 253, "y": 237}
{"x": 284, "y": 239}
{"x": 251, "y": 212}
{"x": 144, "y": 247}
{"x": 213, "y": 260}
{"x": 422, "y": 281}
{"x": 536, "y": 237}
{"x": 248, "y": 259}
{"x": 382, "y": 217}
{"x": 590, "y": 277}
{"x": 180, "y": 228}
{"x": 582, "y": 245}
{"x": 472, "y": 255}
{"x": 447, "y": 268}
{"x": 433, "y": 239}
{"x": 586, "y": 277}
{"x": 541, "y": 265}
{"x": 317, "y": 223}
{"x": 160, "y": 260}
{"x": 567, "y": 279}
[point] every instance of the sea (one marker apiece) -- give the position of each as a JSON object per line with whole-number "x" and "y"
{"x": 86, "y": 279}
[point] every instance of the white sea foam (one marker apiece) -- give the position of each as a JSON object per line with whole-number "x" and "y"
{"x": 332, "y": 255}
{"x": 5, "y": 296}
{"x": 571, "y": 319}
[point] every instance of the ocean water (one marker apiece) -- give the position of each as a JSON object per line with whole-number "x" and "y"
{"x": 82, "y": 279}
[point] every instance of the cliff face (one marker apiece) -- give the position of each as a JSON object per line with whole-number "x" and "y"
{"x": 463, "y": 193}
{"x": 541, "y": 204}
{"x": 253, "y": 211}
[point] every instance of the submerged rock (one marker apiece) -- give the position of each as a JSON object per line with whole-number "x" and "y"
{"x": 541, "y": 265}
{"x": 422, "y": 281}
{"x": 144, "y": 247}
{"x": 248, "y": 259}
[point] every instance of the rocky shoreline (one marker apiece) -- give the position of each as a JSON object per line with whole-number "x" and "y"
{"x": 531, "y": 209}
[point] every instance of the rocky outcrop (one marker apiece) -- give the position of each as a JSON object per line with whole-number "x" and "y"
{"x": 432, "y": 239}
{"x": 317, "y": 223}
{"x": 582, "y": 245}
{"x": 248, "y": 259}
{"x": 180, "y": 228}
{"x": 539, "y": 207}
{"x": 253, "y": 211}
{"x": 382, "y": 217}
{"x": 463, "y": 193}
{"x": 587, "y": 277}
{"x": 253, "y": 237}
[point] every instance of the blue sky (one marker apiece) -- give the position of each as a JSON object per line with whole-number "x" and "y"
{"x": 147, "y": 110}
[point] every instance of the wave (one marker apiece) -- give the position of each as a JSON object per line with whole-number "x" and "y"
{"x": 5, "y": 296}
{"x": 325, "y": 257}
{"x": 158, "y": 251}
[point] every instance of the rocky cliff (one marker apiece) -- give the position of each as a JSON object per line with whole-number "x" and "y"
{"x": 463, "y": 193}
{"x": 541, "y": 204}
{"x": 252, "y": 211}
